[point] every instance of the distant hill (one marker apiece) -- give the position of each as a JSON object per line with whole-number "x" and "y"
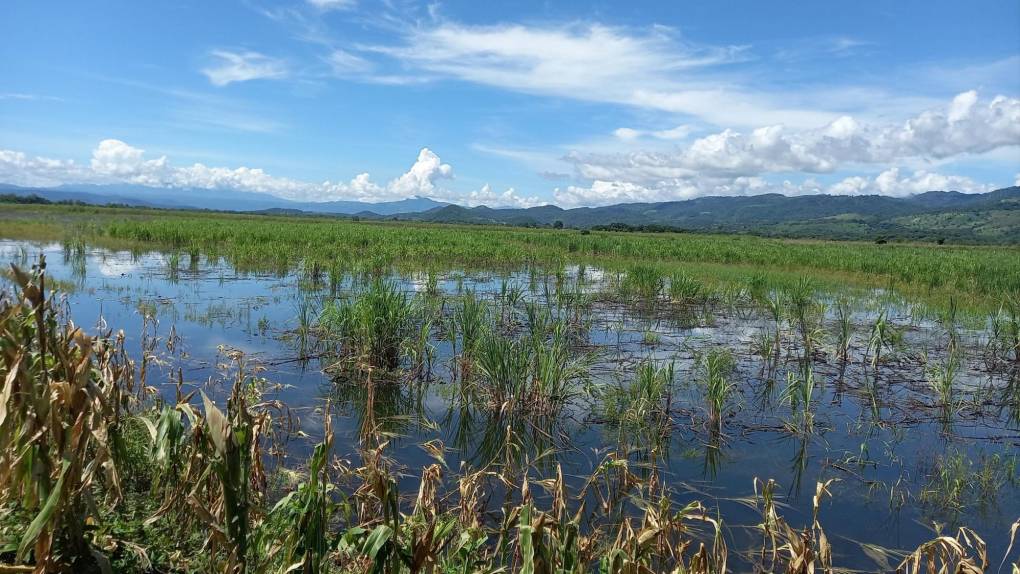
{"x": 992, "y": 217}
{"x": 216, "y": 199}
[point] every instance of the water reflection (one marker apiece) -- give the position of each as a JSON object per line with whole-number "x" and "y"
{"x": 875, "y": 424}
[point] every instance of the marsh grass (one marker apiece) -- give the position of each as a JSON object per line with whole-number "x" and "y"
{"x": 942, "y": 380}
{"x": 956, "y": 483}
{"x": 644, "y": 282}
{"x": 371, "y": 329}
{"x": 640, "y": 408}
{"x": 683, "y": 288}
{"x": 535, "y": 374}
{"x": 716, "y": 367}
{"x": 202, "y": 467}
{"x": 844, "y": 328}
{"x": 884, "y": 338}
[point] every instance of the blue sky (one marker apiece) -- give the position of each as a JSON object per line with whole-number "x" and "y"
{"x": 516, "y": 103}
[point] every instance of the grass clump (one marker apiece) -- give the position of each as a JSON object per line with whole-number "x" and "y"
{"x": 715, "y": 368}
{"x": 371, "y": 329}
{"x": 683, "y": 288}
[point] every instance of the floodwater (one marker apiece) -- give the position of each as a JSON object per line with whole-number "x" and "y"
{"x": 879, "y": 431}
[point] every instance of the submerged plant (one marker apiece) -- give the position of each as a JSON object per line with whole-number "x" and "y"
{"x": 644, "y": 281}
{"x": 716, "y": 366}
{"x": 844, "y": 328}
{"x": 643, "y": 402}
{"x": 685, "y": 289}
{"x": 471, "y": 322}
{"x": 798, "y": 393}
{"x": 505, "y": 365}
{"x": 942, "y": 379}
{"x": 884, "y": 337}
{"x": 1006, "y": 327}
{"x": 373, "y": 327}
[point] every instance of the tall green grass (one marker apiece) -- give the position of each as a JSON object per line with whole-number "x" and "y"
{"x": 980, "y": 276}
{"x": 372, "y": 327}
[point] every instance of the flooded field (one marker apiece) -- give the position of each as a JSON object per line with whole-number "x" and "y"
{"x": 619, "y": 388}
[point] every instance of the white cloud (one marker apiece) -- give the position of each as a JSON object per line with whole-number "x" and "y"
{"x": 114, "y": 161}
{"x": 233, "y": 67}
{"x": 631, "y": 134}
{"x": 117, "y": 159}
{"x": 652, "y": 69}
{"x": 967, "y": 125}
{"x": 28, "y": 97}
{"x": 889, "y": 183}
{"x": 509, "y": 198}
{"x": 732, "y": 162}
{"x": 21, "y": 169}
{"x": 627, "y": 134}
{"x": 343, "y": 63}
{"x": 333, "y": 4}
{"x": 421, "y": 178}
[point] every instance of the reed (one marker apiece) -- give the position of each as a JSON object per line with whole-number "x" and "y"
{"x": 798, "y": 394}
{"x": 716, "y": 367}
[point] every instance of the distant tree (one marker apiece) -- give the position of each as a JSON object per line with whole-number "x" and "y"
{"x": 585, "y": 232}
{"x": 356, "y": 218}
{"x": 557, "y": 224}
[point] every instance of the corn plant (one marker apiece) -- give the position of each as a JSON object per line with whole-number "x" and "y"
{"x": 555, "y": 371}
{"x": 644, "y": 400}
{"x": 643, "y": 281}
{"x": 62, "y": 405}
{"x": 297, "y": 529}
{"x": 470, "y": 321}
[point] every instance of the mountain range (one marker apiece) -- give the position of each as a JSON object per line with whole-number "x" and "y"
{"x": 214, "y": 199}
{"x": 992, "y": 217}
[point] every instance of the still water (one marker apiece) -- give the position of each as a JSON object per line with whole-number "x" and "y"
{"x": 875, "y": 430}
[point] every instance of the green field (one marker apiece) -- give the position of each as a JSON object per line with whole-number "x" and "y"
{"x": 322, "y": 395}
{"x": 977, "y": 276}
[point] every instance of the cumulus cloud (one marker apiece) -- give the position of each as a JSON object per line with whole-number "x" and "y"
{"x": 967, "y": 125}
{"x": 421, "y": 178}
{"x": 891, "y": 182}
{"x": 230, "y": 67}
{"x": 509, "y": 198}
{"x": 117, "y": 159}
{"x": 734, "y": 162}
{"x": 114, "y": 161}
{"x": 19, "y": 168}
